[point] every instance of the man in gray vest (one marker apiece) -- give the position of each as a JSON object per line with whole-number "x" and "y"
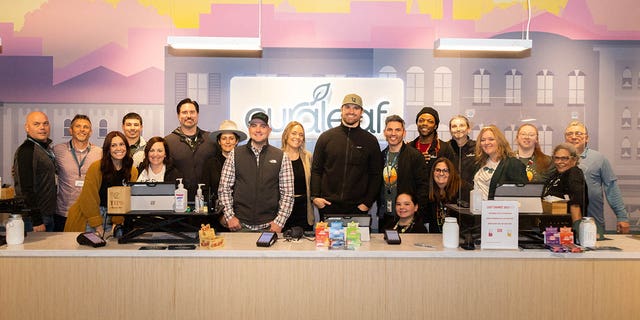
{"x": 256, "y": 185}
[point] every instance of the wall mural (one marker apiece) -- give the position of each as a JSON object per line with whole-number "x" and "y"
{"x": 107, "y": 57}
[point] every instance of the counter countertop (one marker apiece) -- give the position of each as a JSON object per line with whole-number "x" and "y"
{"x": 242, "y": 245}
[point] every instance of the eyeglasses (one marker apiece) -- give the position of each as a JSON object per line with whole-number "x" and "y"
{"x": 443, "y": 171}
{"x": 561, "y": 159}
{"x": 578, "y": 134}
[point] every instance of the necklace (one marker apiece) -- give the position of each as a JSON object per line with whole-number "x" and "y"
{"x": 403, "y": 228}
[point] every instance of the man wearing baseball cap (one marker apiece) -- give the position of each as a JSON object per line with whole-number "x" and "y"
{"x": 347, "y": 165}
{"x": 256, "y": 185}
{"x": 427, "y": 141}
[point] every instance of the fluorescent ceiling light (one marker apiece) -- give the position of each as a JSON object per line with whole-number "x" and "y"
{"x": 469, "y": 44}
{"x": 214, "y": 43}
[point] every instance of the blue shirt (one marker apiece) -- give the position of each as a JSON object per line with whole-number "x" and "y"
{"x": 601, "y": 181}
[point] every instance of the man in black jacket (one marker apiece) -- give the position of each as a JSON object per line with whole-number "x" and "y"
{"x": 34, "y": 173}
{"x": 427, "y": 142}
{"x": 347, "y": 165}
{"x": 404, "y": 172}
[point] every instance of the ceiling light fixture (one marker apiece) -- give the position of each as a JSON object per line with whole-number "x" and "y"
{"x": 490, "y": 45}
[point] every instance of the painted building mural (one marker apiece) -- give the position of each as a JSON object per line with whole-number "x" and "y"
{"x": 112, "y": 58}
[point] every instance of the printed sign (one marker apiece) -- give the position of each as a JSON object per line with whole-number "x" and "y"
{"x": 314, "y": 102}
{"x": 499, "y": 225}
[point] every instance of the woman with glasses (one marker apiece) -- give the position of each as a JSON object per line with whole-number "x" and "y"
{"x": 445, "y": 187}
{"x": 538, "y": 164}
{"x": 407, "y": 220}
{"x": 568, "y": 181}
{"x": 495, "y": 163}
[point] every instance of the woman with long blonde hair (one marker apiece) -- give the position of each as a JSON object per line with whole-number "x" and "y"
{"x": 293, "y": 143}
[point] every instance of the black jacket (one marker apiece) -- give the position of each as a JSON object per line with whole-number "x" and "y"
{"x": 465, "y": 161}
{"x": 347, "y": 166}
{"x": 412, "y": 177}
{"x": 34, "y": 175}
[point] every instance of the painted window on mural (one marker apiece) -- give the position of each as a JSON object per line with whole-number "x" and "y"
{"x": 481, "y": 86}
{"x": 576, "y": 87}
{"x": 387, "y": 72}
{"x": 197, "y": 87}
{"x": 545, "y": 138}
{"x": 103, "y": 128}
{"x": 513, "y": 87}
{"x": 67, "y": 126}
{"x": 627, "y": 78}
{"x": 625, "y": 148}
{"x": 545, "y": 88}
{"x": 626, "y": 118}
{"x": 442, "y": 86}
{"x": 215, "y": 89}
{"x": 415, "y": 86}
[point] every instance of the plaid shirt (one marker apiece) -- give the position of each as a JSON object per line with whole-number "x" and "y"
{"x": 228, "y": 179}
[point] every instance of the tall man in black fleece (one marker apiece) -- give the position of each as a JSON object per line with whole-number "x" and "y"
{"x": 347, "y": 165}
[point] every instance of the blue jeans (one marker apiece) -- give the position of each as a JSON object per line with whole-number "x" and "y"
{"x": 106, "y": 224}
{"x": 46, "y": 220}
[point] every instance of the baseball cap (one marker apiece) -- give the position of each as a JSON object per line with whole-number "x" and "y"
{"x": 260, "y": 116}
{"x": 352, "y": 98}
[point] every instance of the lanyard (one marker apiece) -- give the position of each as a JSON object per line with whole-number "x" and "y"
{"x": 389, "y": 169}
{"x": 79, "y": 163}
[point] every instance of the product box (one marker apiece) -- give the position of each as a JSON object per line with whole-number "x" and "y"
{"x": 322, "y": 234}
{"x": 556, "y": 207}
{"x": 566, "y": 235}
{"x": 119, "y": 199}
{"x": 208, "y": 238}
{"x": 7, "y": 193}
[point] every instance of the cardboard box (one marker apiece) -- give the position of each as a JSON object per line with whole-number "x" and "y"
{"x": 557, "y": 207}
{"x": 7, "y": 193}
{"x": 119, "y": 199}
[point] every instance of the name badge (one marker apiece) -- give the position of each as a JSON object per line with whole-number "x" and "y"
{"x": 79, "y": 183}
{"x": 389, "y": 206}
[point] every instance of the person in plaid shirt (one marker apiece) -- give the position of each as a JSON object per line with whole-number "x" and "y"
{"x": 256, "y": 185}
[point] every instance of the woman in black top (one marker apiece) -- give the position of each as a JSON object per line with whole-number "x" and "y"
{"x": 568, "y": 181}
{"x": 293, "y": 143}
{"x": 406, "y": 219}
{"x": 445, "y": 187}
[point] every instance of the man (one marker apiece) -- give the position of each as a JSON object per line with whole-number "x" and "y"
{"x": 256, "y": 185}
{"x": 404, "y": 172}
{"x": 34, "y": 173}
{"x": 73, "y": 158}
{"x": 132, "y": 129}
{"x": 427, "y": 141}
{"x": 347, "y": 165}
{"x": 600, "y": 179}
{"x": 464, "y": 149}
{"x": 191, "y": 147}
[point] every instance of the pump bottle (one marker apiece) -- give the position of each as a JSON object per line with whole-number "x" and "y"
{"x": 199, "y": 203}
{"x": 180, "y": 197}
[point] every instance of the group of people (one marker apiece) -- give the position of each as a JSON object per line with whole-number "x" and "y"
{"x": 257, "y": 186}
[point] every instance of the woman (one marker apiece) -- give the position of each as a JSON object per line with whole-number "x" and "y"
{"x": 114, "y": 169}
{"x": 227, "y": 138}
{"x": 568, "y": 181}
{"x": 157, "y": 165}
{"x": 445, "y": 187}
{"x": 464, "y": 148}
{"x": 495, "y": 163}
{"x": 293, "y": 140}
{"x": 406, "y": 220}
{"x": 538, "y": 164}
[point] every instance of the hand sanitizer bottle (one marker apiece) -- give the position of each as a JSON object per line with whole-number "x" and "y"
{"x": 180, "y": 197}
{"x": 199, "y": 205}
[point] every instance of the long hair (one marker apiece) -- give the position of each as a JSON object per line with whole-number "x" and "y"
{"x": 106, "y": 164}
{"x": 540, "y": 159}
{"x": 504, "y": 149}
{"x": 167, "y": 159}
{"x": 454, "y": 183}
{"x": 287, "y": 132}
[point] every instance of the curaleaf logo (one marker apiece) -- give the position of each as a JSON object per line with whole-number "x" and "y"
{"x": 318, "y": 115}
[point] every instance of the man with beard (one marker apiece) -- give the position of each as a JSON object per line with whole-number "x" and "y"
{"x": 191, "y": 147}
{"x": 427, "y": 142}
{"x": 347, "y": 165}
